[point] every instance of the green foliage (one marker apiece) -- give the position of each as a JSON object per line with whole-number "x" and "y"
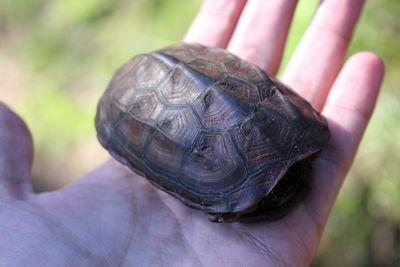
{"x": 63, "y": 53}
{"x": 302, "y": 18}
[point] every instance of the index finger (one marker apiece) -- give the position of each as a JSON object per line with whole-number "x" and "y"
{"x": 215, "y": 22}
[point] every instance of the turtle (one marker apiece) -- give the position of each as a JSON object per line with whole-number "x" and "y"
{"x": 214, "y": 131}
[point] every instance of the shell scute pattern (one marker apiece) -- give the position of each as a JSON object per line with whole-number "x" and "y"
{"x": 212, "y": 164}
{"x": 212, "y": 130}
{"x": 179, "y": 124}
{"x": 182, "y": 87}
{"x": 148, "y": 73}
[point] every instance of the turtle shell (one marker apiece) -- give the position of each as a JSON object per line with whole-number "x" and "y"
{"x": 212, "y": 130}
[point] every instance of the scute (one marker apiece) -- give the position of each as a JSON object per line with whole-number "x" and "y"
{"x": 179, "y": 124}
{"x": 106, "y": 118}
{"x": 245, "y": 71}
{"x": 253, "y": 141}
{"x": 214, "y": 69}
{"x": 214, "y": 55}
{"x": 149, "y": 73}
{"x": 183, "y": 55}
{"x": 244, "y": 91}
{"x": 164, "y": 154}
{"x": 182, "y": 87}
{"x": 213, "y": 165}
{"x": 146, "y": 106}
{"x": 220, "y": 110}
{"x": 212, "y": 130}
{"x": 132, "y": 134}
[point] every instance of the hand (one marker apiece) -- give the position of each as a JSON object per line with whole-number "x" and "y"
{"x": 112, "y": 217}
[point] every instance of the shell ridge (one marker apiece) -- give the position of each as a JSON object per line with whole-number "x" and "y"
{"x": 172, "y": 61}
{"x": 212, "y": 130}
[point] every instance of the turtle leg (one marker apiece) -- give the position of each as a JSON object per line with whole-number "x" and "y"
{"x": 223, "y": 217}
{"x": 293, "y": 188}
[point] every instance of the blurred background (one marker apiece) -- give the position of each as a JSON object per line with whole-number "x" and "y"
{"x": 56, "y": 58}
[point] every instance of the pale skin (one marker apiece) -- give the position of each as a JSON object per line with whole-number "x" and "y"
{"x": 112, "y": 217}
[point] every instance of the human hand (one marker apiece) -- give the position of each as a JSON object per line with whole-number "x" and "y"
{"x": 112, "y": 217}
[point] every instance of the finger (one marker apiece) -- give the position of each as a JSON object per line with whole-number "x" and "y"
{"x": 348, "y": 109}
{"x": 261, "y": 32}
{"x": 16, "y": 155}
{"x": 215, "y": 22}
{"x": 319, "y": 56}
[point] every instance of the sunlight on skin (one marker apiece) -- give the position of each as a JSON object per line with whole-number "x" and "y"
{"x": 112, "y": 217}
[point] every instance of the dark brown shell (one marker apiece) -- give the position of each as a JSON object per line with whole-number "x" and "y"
{"x": 212, "y": 130}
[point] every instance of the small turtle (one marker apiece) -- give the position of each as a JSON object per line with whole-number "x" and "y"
{"x": 212, "y": 130}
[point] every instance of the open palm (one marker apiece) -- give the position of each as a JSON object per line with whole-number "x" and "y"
{"x": 112, "y": 217}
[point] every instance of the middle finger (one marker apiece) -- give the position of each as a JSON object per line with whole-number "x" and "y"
{"x": 261, "y": 32}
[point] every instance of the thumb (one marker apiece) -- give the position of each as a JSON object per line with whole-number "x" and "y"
{"x": 16, "y": 154}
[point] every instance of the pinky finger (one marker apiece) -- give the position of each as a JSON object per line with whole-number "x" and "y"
{"x": 351, "y": 102}
{"x": 348, "y": 108}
